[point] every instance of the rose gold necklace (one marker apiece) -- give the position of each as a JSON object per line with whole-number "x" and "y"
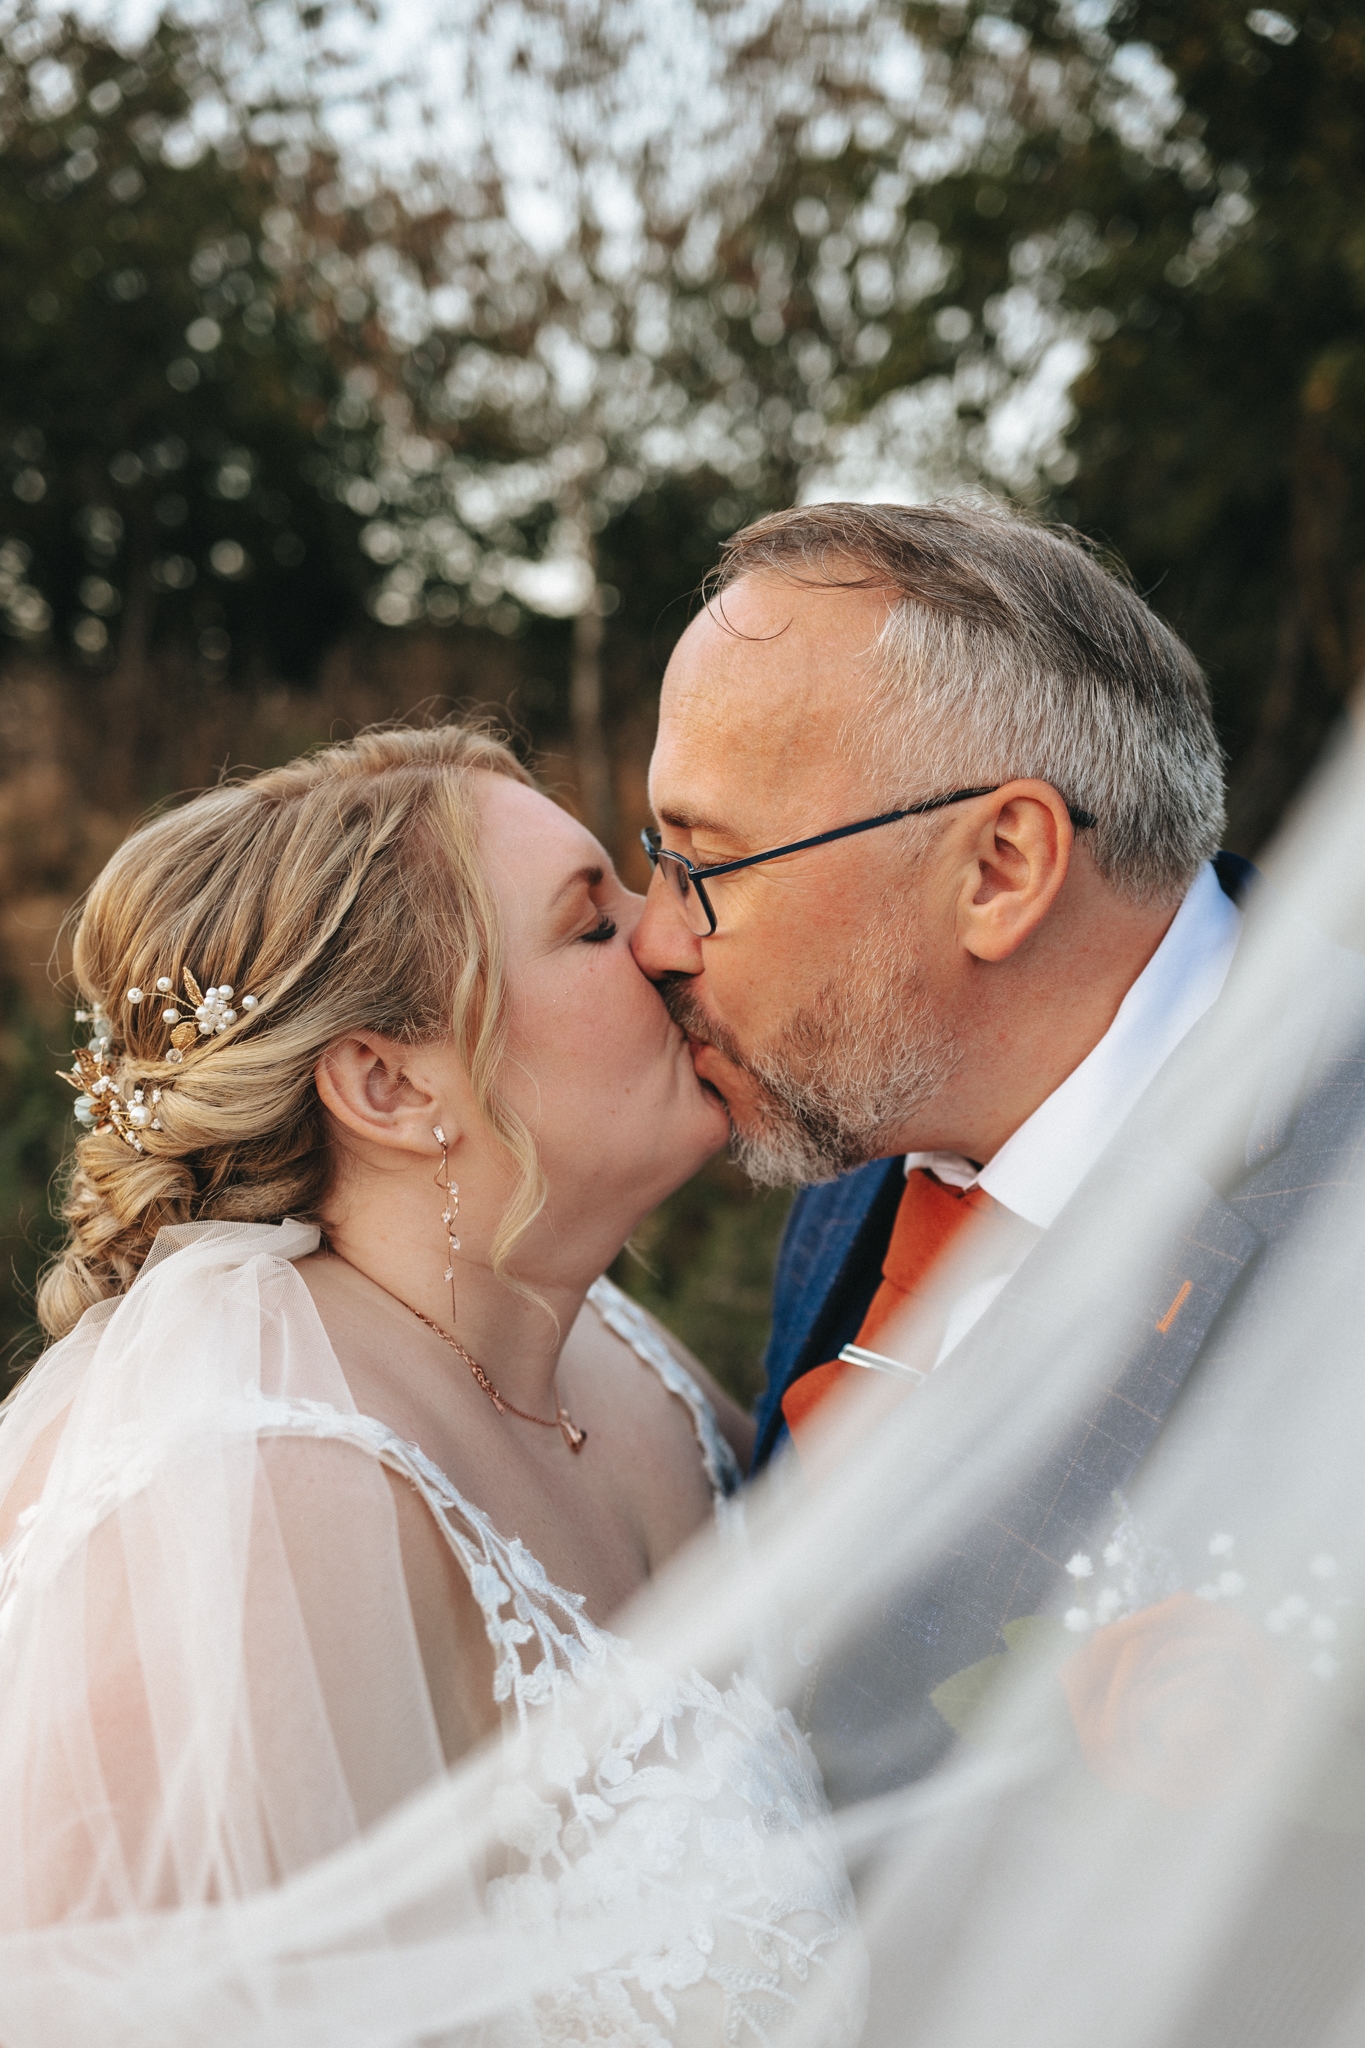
{"x": 573, "y": 1436}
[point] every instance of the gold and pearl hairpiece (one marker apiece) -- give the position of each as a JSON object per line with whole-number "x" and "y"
{"x": 101, "y": 1104}
{"x": 199, "y": 1013}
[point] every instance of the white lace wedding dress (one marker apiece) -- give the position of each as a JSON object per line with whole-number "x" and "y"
{"x": 661, "y": 1834}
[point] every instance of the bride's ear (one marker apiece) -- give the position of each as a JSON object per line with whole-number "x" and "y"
{"x": 379, "y": 1090}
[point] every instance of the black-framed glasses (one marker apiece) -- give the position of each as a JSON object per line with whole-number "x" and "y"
{"x": 689, "y": 882}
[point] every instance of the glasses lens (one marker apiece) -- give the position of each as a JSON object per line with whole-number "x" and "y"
{"x": 685, "y": 895}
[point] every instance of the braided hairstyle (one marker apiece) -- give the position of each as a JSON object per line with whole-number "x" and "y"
{"x": 346, "y": 891}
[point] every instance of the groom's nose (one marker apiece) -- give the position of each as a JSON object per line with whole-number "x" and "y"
{"x": 661, "y": 941}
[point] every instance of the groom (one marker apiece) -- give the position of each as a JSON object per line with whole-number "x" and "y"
{"x": 937, "y": 896}
{"x": 936, "y": 997}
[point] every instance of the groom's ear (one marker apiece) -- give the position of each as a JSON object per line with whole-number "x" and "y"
{"x": 1017, "y": 865}
{"x": 377, "y": 1089}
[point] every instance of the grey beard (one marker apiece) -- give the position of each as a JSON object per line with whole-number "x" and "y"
{"x": 844, "y": 1074}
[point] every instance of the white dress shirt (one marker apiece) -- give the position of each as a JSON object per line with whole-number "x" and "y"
{"x": 1037, "y": 1171}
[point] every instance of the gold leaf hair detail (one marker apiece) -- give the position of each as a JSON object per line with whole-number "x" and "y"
{"x": 209, "y": 1011}
{"x": 101, "y": 1104}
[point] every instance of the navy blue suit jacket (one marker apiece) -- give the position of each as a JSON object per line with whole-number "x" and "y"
{"x": 830, "y": 1263}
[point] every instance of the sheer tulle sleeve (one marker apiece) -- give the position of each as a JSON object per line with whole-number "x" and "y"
{"x": 211, "y": 1672}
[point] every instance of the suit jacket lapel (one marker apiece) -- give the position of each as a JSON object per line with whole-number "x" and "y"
{"x": 827, "y": 1273}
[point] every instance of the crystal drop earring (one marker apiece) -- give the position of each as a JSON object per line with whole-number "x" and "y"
{"x": 448, "y": 1214}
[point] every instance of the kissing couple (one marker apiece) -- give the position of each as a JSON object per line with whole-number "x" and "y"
{"x": 326, "y": 1519}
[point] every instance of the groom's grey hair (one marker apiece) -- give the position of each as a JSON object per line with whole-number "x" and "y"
{"x": 1011, "y": 650}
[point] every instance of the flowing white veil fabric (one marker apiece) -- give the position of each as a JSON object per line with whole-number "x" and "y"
{"x": 1077, "y": 1627}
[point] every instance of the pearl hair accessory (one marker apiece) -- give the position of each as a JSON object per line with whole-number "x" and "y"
{"x": 209, "y": 1011}
{"x": 101, "y": 1103}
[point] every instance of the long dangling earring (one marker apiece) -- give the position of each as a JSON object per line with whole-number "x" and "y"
{"x": 448, "y": 1214}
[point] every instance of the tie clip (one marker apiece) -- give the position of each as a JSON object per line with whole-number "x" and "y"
{"x": 876, "y": 1361}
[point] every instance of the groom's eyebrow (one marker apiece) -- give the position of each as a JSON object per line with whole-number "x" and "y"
{"x": 694, "y": 821}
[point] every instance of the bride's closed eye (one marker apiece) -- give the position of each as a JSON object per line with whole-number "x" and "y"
{"x": 601, "y": 932}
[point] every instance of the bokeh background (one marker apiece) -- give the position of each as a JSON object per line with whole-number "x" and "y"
{"x": 367, "y": 360}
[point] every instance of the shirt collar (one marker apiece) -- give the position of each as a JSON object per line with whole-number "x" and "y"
{"x": 1036, "y": 1172}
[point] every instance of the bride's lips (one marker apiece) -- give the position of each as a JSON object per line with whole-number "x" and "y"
{"x": 699, "y": 1048}
{"x": 735, "y": 1088}
{"x": 708, "y": 1065}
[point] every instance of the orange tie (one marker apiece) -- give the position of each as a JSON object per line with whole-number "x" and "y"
{"x": 929, "y": 1217}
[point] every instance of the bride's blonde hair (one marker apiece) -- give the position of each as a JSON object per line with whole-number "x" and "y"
{"x": 346, "y": 891}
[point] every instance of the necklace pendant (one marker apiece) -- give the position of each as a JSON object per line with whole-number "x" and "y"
{"x": 573, "y": 1436}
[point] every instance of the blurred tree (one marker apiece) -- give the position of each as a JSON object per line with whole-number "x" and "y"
{"x": 606, "y": 324}
{"x": 182, "y": 322}
{"x": 34, "y": 1122}
{"x": 1220, "y": 431}
{"x": 1140, "y": 304}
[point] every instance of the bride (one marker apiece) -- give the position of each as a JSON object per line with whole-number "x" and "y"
{"x": 346, "y": 1459}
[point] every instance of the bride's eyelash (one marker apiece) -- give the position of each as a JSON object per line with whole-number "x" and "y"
{"x": 600, "y": 932}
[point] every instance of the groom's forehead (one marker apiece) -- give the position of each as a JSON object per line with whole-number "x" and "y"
{"x": 729, "y": 743}
{"x": 757, "y": 707}
{"x": 772, "y": 666}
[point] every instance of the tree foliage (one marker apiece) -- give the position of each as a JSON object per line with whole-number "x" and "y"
{"x": 1162, "y": 205}
{"x": 168, "y": 356}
